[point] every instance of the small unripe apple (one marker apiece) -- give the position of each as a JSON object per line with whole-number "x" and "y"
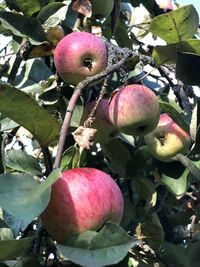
{"x": 167, "y": 139}
{"x": 82, "y": 199}
{"x": 102, "y": 8}
{"x": 134, "y": 110}
{"x": 102, "y": 121}
{"x": 79, "y": 55}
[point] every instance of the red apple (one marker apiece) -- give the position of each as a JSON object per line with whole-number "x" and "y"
{"x": 79, "y": 55}
{"x": 134, "y": 110}
{"x": 82, "y": 199}
{"x": 102, "y": 121}
{"x": 167, "y": 139}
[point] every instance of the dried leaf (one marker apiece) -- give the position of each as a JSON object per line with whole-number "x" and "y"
{"x": 84, "y": 137}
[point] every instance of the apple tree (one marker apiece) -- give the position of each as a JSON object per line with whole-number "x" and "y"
{"x": 99, "y": 133}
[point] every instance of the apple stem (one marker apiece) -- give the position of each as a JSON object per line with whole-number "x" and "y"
{"x": 77, "y": 92}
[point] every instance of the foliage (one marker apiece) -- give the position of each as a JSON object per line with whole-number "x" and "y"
{"x": 160, "y": 225}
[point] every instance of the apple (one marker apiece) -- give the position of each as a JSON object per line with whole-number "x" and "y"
{"x": 102, "y": 122}
{"x": 134, "y": 110}
{"x": 82, "y": 199}
{"x": 167, "y": 139}
{"x": 79, "y": 55}
{"x": 165, "y": 4}
{"x": 102, "y": 8}
{"x": 55, "y": 34}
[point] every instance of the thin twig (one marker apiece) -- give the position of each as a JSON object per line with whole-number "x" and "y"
{"x": 91, "y": 116}
{"x": 77, "y": 92}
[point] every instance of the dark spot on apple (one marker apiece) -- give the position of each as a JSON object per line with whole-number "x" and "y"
{"x": 88, "y": 63}
{"x": 141, "y": 128}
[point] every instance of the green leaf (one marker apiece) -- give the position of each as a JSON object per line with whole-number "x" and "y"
{"x": 23, "y": 27}
{"x": 188, "y": 68}
{"x": 52, "y": 14}
{"x": 192, "y": 253}
{"x": 31, "y": 77}
{"x": 178, "y": 117}
{"x": 15, "y": 104}
{"x": 77, "y": 114}
{"x": 147, "y": 192}
{"x": 174, "y": 176}
{"x": 23, "y": 197}
{"x": 15, "y": 248}
{"x": 118, "y": 154}
{"x": 174, "y": 255}
{"x": 151, "y": 233}
{"x": 176, "y": 26}
{"x": 139, "y": 159}
{"x": 168, "y": 53}
{"x": 70, "y": 158}
{"x": 109, "y": 246}
{"x": 191, "y": 166}
{"x": 29, "y": 7}
{"x": 20, "y": 161}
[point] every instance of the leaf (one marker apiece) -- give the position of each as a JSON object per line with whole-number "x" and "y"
{"x": 70, "y": 158}
{"x": 23, "y": 197}
{"x": 174, "y": 176}
{"x": 174, "y": 255}
{"x": 192, "y": 253}
{"x": 77, "y": 114}
{"x": 187, "y": 68}
{"x": 139, "y": 159}
{"x": 28, "y": 7}
{"x": 31, "y": 75}
{"x": 178, "y": 117}
{"x": 147, "y": 192}
{"x": 15, "y": 248}
{"x": 108, "y": 246}
{"x": 16, "y": 225}
{"x": 168, "y": 53}
{"x": 52, "y": 14}
{"x": 23, "y": 26}
{"x": 151, "y": 233}
{"x": 176, "y": 26}
{"x": 15, "y": 104}
{"x": 118, "y": 154}
{"x": 21, "y": 161}
{"x": 194, "y": 170}
{"x": 115, "y": 15}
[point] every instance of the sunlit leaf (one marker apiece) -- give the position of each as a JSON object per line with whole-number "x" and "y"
{"x": 23, "y": 197}
{"x": 15, "y": 104}
{"x": 177, "y": 25}
{"x": 108, "y": 246}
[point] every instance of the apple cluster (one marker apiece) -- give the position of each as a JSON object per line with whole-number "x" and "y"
{"x": 85, "y": 198}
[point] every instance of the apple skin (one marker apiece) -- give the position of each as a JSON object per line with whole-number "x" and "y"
{"x": 82, "y": 199}
{"x": 102, "y": 8}
{"x": 79, "y": 55}
{"x": 165, "y": 4}
{"x": 134, "y": 110}
{"x": 102, "y": 122}
{"x": 167, "y": 139}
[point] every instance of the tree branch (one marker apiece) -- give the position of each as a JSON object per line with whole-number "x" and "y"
{"x": 77, "y": 92}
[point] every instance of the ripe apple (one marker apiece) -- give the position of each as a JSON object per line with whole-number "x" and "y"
{"x": 165, "y": 4}
{"x": 102, "y": 121}
{"x": 134, "y": 110}
{"x": 102, "y": 8}
{"x": 79, "y": 55}
{"x": 167, "y": 139}
{"x": 82, "y": 199}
